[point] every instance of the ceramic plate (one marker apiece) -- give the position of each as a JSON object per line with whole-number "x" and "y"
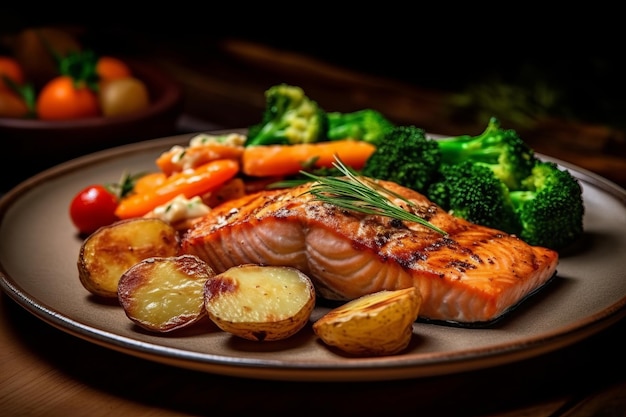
{"x": 39, "y": 249}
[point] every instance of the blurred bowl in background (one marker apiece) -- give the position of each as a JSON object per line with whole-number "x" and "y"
{"x": 34, "y": 145}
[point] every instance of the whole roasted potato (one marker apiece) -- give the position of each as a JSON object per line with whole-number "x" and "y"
{"x": 164, "y": 294}
{"x": 260, "y": 303}
{"x": 373, "y": 325}
{"x": 108, "y": 252}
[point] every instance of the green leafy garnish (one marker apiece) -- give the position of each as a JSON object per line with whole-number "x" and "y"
{"x": 126, "y": 184}
{"x": 81, "y": 67}
{"x": 357, "y": 193}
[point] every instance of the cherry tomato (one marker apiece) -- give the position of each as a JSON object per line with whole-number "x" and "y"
{"x": 63, "y": 99}
{"x": 92, "y": 208}
{"x": 123, "y": 96}
{"x": 10, "y": 68}
{"x": 12, "y": 105}
{"x": 111, "y": 68}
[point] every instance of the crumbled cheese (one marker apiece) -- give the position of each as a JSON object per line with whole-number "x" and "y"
{"x": 177, "y": 153}
{"x": 181, "y": 208}
{"x": 232, "y": 139}
{"x": 186, "y": 161}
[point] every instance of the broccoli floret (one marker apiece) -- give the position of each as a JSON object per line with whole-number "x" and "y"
{"x": 439, "y": 193}
{"x": 406, "y": 156}
{"x": 510, "y": 158}
{"x": 368, "y": 125}
{"x": 473, "y": 192}
{"x": 290, "y": 117}
{"x": 550, "y": 207}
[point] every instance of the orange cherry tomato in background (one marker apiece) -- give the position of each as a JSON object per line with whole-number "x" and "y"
{"x": 93, "y": 207}
{"x": 62, "y": 99}
{"x": 10, "y": 68}
{"x": 111, "y": 68}
{"x": 12, "y": 105}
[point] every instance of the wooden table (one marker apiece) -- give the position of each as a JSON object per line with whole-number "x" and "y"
{"x": 46, "y": 372}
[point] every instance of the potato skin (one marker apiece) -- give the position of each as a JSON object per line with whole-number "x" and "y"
{"x": 108, "y": 252}
{"x": 260, "y": 303}
{"x": 165, "y": 294}
{"x": 376, "y": 324}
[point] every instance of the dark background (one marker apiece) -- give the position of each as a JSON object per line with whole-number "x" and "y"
{"x": 568, "y": 65}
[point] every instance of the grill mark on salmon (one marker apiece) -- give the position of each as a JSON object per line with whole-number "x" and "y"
{"x": 472, "y": 275}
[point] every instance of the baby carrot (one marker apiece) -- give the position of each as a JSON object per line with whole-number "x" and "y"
{"x": 179, "y": 159}
{"x": 277, "y": 160}
{"x": 202, "y": 180}
{"x": 149, "y": 182}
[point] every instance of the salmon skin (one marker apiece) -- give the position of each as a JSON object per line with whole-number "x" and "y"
{"x": 471, "y": 276}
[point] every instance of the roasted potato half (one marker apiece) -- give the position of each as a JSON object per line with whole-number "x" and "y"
{"x": 165, "y": 294}
{"x": 108, "y": 252}
{"x": 376, "y": 324}
{"x": 260, "y": 303}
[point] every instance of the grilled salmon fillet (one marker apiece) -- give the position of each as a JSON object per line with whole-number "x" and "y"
{"x": 474, "y": 274}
